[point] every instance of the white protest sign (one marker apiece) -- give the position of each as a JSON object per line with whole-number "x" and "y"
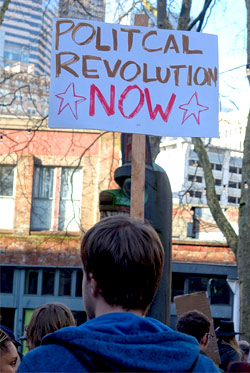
{"x": 133, "y": 79}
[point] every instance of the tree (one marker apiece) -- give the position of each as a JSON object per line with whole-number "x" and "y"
{"x": 240, "y": 244}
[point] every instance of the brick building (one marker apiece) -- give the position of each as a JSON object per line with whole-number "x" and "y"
{"x": 49, "y": 190}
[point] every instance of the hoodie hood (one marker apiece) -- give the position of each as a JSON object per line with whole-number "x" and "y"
{"x": 128, "y": 340}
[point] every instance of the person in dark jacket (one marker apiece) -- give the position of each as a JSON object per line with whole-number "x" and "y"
{"x": 122, "y": 266}
{"x": 229, "y": 348}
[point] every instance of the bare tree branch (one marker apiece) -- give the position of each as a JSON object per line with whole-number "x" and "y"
{"x": 3, "y": 10}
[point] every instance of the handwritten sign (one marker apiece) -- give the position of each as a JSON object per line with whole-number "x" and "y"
{"x": 133, "y": 79}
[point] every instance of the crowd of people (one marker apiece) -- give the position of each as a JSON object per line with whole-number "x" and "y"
{"x": 122, "y": 265}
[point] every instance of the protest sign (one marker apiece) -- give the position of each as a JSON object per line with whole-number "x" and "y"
{"x": 133, "y": 79}
{"x": 199, "y": 302}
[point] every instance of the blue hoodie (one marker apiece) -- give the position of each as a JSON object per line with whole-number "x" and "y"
{"x": 117, "y": 342}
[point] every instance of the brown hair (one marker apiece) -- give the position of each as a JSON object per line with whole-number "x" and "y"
{"x": 47, "y": 319}
{"x": 4, "y": 342}
{"x": 232, "y": 342}
{"x": 193, "y": 323}
{"x": 126, "y": 257}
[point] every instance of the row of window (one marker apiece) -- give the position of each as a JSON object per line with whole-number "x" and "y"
{"x": 56, "y": 200}
{"x": 216, "y": 166}
{"x": 217, "y": 288}
{"x": 218, "y": 182}
{"x": 198, "y": 194}
{"x": 48, "y": 281}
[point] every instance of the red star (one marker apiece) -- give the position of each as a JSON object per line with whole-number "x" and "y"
{"x": 71, "y": 100}
{"x": 193, "y": 107}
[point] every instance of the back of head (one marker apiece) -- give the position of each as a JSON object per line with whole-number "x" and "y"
{"x": 125, "y": 257}
{"x": 193, "y": 323}
{"x": 238, "y": 366}
{"x": 47, "y": 319}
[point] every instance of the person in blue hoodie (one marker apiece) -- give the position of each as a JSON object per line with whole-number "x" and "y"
{"x": 122, "y": 265}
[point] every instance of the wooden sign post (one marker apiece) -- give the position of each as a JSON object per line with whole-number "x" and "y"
{"x": 138, "y": 158}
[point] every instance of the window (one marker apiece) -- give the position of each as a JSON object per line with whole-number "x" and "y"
{"x": 217, "y": 182}
{"x": 6, "y": 279}
{"x": 178, "y": 281}
{"x": 218, "y": 167}
{"x": 197, "y": 284}
{"x": 43, "y": 192}
{"x": 70, "y": 198}
{"x": 56, "y": 203}
{"x": 195, "y": 178}
{"x": 7, "y": 181}
{"x": 219, "y": 291}
{"x": 195, "y": 194}
{"x": 233, "y": 169}
{"x": 232, "y": 199}
{"x": 194, "y": 163}
{"x": 79, "y": 276}
{"x": 48, "y": 282}
{"x": 31, "y": 281}
{"x": 65, "y": 282}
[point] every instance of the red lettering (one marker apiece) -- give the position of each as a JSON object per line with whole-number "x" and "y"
{"x": 109, "y": 108}
{"x": 158, "y": 108}
{"x": 124, "y": 95}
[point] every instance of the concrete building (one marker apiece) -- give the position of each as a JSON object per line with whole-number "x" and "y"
{"x": 188, "y": 185}
{"x": 26, "y": 32}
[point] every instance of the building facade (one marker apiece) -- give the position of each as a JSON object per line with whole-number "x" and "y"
{"x": 26, "y": 32}
{"x": 189, "y": 186}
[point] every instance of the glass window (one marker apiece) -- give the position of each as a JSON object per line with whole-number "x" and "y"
{"x": 217, "y": 182}
{"x": 219, "y": 291}
{"x": 31, "y": 281}
{"x": 48, "y": 282}
{"x": 197, "y": 284}
{"x": 218, "y": 167}
{"x": 65, "y": 282}
{"x": 42, "y": 201}
{"x": 232, "y": 199}
{"x": 178, "y": 280}
{"x": 233, "y": 169}
{"x": 70, "y": 196}
{"x": 79, "y": 276}
{"x": 232, "y": 185}
{"x": 8, "y": 317}
{"x": 6, "y": 180}
{"x": 6, "y": 279}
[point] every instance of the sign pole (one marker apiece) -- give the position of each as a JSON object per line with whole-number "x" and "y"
{"x": 138, "y": 158}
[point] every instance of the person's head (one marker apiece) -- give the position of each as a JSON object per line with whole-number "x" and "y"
{"x": 244, "y": 346}
{"x": 225, "y": 332}
{"x": 197, "y": 324}
{"x": 8, "y": 354}
{"x": 122, "y": 263}
{"x": 47, "y": 319}
{"x": 238, "y": 366}
{"x": 10, "y": 334}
